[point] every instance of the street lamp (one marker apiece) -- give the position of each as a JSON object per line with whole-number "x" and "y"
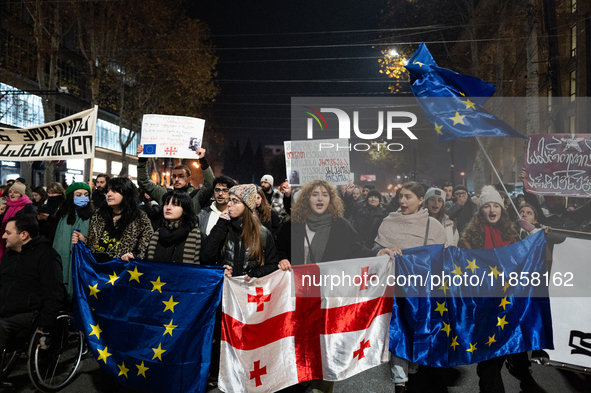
{"x": 463, "y": 178}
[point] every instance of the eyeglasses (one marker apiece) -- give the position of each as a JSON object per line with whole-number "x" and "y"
{"x": 235, "y": 201}
{"x": 221, "y": 190}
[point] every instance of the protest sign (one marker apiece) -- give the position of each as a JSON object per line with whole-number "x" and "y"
{"x": 171, "y": 136}
{"x": 326, "y": 159}
{"x": 559, "y": 164}
{"x": 68, "y": 138}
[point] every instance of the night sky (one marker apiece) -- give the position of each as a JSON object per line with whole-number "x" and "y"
{"x": 271, "y": 51}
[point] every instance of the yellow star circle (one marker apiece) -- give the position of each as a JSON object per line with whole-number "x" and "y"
{"x": 502, "y": 322}
{"x": 446, "y": 328}
{"x": 94, "y": 290}
{"x": 104, "y": 354}
{"x": 491, "y": 340}
{"x": 169, "y": 328}
{"x": 135, "y": 275}
{"x": 504, "y": 302}
{"x": 441, "y": 308}
{"x": 141, "y": 369}
{"x": 170, "y": 305}
{"x": 157, "y": 285}
{"x": 122, "y": 370}
{"x": 458, "y": 119}
{"x": 96, "y": 330}
{"x": 454, "y": 342}
{"x": 472, "y": 348}
{"x": 158, "y": 352}
{"x": 472, "y": 265}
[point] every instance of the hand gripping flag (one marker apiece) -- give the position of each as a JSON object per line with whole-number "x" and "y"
{"x": 290, "y": 327}
{"x": 488, "y": 303}
{"x": 453, "y": 102}
{"x": 150, "y": 324}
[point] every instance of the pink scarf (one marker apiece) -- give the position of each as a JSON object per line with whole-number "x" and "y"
{"x": 13, "y": 208}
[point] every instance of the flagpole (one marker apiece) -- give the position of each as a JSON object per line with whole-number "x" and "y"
{"x": 497, "y": 173}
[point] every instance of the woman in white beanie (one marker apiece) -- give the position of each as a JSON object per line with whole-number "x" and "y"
{"x": 239, "y": 241}
{"x": 435, "y": 204}
{"x": 408, "y": 227}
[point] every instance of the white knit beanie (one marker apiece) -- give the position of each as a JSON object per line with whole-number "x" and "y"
{"x": 434, "y": 191}
{"x": 267, "y": 179}
{"x": 489, "y": 194}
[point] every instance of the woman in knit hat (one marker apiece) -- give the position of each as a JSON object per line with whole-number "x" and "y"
{"x": 491, "y": 227}
{"x": 177, "y": 238}
{"x": 17, "y": 203}
{"x": 408, "y": 227}
{"x": 239, "y": 241}
{"x": 435, "y": 203}
{"x": 74, "y": 213}
{"x": 367, "y": 220}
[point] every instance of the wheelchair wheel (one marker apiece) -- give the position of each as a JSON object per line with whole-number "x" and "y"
{"x": 52, "y": 368}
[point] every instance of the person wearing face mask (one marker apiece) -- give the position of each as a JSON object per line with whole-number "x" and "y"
{"x": 435, "y": 204}
{"x": 17, "y": 204}
{"x": 178, "y": 238}
{"x": 55, "y": 197}
{"x": 119, "y": 226}
{"x": 73, "y": 214}
{"x": 367, "y": 219}
{"x": 408, "y": 227}
{"x": 491, "y": 227}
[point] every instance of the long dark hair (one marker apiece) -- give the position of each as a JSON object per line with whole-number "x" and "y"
{"x": 41, "y": 191}
{"x": 67, "y": 208}
{"x": 264, "y": 210}
{"x": 182, "y": 199}
{"x": 474, "y": 232}
{"x": 129, "y": 206}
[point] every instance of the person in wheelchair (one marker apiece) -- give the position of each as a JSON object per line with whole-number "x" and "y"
{"x": 31, "y": 287}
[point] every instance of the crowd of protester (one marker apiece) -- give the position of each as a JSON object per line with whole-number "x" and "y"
{"x": 252, "y": 230}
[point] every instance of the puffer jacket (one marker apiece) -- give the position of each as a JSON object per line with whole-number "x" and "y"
{"x": 224, "y": 246}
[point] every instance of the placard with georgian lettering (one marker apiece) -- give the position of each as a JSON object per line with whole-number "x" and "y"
{"x": 559, "y": 164}
{"x": 326, "y": 159}
{"x": 171, "y": 136}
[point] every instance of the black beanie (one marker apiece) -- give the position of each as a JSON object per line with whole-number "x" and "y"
{"x": 374, "y": 193}
{"x": 460, "y": 187}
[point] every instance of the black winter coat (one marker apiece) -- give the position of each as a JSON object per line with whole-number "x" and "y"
{"x": 367, "y": 222}
{"x": 343, "y": 243}
{"x": 31, "y": 280}
{"x": 218, "y": 251}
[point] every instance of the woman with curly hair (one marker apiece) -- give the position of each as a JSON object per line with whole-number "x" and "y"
{"x": 318, "y": 232}
{"x": 491, "y": 227}
{"x": 119, "y": 226}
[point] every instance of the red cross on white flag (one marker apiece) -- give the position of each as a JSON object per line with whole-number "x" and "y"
{"x": 303, "y": 332}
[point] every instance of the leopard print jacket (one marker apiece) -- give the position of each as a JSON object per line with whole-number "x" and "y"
{"x": 135, "y": 239}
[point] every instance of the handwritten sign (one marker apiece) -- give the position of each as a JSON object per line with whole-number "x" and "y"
{"x": 559, "y": 164}
{"x": 171, "y": 136}
{"x": 68, "y": 138}
{"x": 326, "y": 159}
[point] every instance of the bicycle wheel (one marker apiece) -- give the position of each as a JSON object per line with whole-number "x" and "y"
{"x": 52, "y": 368}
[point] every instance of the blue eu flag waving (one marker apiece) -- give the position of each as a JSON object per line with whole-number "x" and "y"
{"x": 453, "y": 102}
{"x": 149, "y": 324}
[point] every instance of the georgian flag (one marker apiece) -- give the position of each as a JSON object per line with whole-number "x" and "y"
{"x": 325, "y": 321}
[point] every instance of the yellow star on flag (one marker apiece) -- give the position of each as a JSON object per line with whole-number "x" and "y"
{"x": 169, "y": 328}
{"x": 94, "y": 290}
{"x": 445, "y": 288}
{"x": 454, "y": 342}
{"x": 96, "y": 330}
{"x": 438, "y": 129}
{"x": 502, "y": 322}
{"x": 469, "y": 104}
{"x": 457, "y": 270}
{"x": 494, "y": 271}
{"x": 158, "y": 352}
{"x": 170, "y": 305}
{"x": 506, "y": 286}
{"x": 157, "y": 285}
{"x": 472, "y": 265}
{"x": 113, "y": 278}
{"x": 419, "y": 63}
{"x": 141, "y": 369}
{"x": 458, "y": 119}
{"x": 104, "y": 354}
{"x": 504, "y": 302}
{"x": 472, "y": 348}
{"x": 122, "y": 370}
{"x": 441, "y": 308}
{"x": 446, "y": 328}
{"x": 491, "y": 340}
{"x": 462, "y": 94}
{"x": 135, "y": 275}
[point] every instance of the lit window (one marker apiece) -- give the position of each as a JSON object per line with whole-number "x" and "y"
{"x": 573, "y": 85}
{"x": 99, "y": 166}
{"x": 132, "y": 170}
{"x": 571, "y": 124}
{"x": 549, "y": 99}
{"x": 116, "y": 168}
{"x": 573, "y": 6}
{"x": 573, "y": 41}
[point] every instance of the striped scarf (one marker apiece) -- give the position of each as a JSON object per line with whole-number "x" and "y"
{"x": 192, "y": 244}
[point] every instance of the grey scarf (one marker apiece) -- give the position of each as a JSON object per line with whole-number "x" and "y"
{"x": 321, "y": 228}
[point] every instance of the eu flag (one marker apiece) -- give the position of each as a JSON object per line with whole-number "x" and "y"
{"x": 467, "y": 306}
{"x": 453, "y": 102}
{"x": 149, "y": 324}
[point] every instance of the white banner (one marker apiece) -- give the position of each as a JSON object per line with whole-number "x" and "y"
{"x": 310, "y": 160}
{"x": 570, "y": 304}
{"x": 171, "y": 136}
{"x": 70, "y": 138}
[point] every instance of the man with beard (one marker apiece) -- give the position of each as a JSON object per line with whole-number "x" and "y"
{"x": 208, "y": 216}
{"x": 181, "y": 176}
{"x": 559, "y": 217}
{"x": 275, "y": 197}
{"x": 99, "y": 194}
